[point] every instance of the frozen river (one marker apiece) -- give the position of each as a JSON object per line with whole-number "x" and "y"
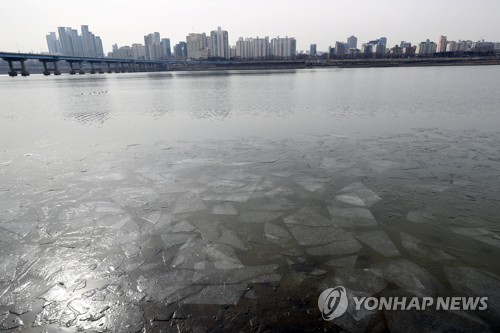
{"x": 211, "y": 201}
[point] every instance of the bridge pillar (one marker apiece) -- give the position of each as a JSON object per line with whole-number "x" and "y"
{"x": 56, "y": 70}
{"x": 46, "y": 69}
{"x": 12, "y": 71}
{"x": 71, "y": 69}
{"x": 109, "y": 67}
{"x": 24, "y": 72}
{"x": 92, "y": 70}
{"x": 81, "y": 71}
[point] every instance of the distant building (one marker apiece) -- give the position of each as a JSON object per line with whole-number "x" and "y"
{"x": 197, "y": 46}
{"x": 283, "y": 48}
{"x": 396, "y": 51}
{"x": 138, "y": 51}
{"x": 367, "y": 49}
{"x": 124, "y": 52}
{"x": 180, "y": 51}
{"x": 441, "y": 45}
{"x": 312, "y": 50}
{"x": 352, "y": 42}
{"x": 152, "y": 46}
{"x": 341, "y": 49}
{"x": 72, "y": 44}
{"x": 253, "y": 48}
{"x": 165, "y": 45}
{"x": 404, "y": 44}
{"x": 376, "y": 48}
{"x": 426, "y": 48}
{"x": 219, "y": 44}
{"x": 53, "y": 43}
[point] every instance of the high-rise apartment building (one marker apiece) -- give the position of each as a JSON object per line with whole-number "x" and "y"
{"x": 72, "y": 44}
{"x": 180, "y": 50}
{"x": 138, "y": 51}
{"x": 426, "y": 48}
{"x": 253, "y": 48}
{"x": 152, "y": 46}
{"x": 197, "y": 46}
{"x": 441, "y": 45}
{"x": 53, "y": 43}
{"x": 283, "y": 48}
{"x": 219, "y": 44}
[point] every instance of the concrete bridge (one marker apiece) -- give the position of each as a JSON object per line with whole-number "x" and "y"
{"x": 17, "y": 64}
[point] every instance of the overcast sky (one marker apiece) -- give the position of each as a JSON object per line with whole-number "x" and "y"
{"x": 24, "y": 24}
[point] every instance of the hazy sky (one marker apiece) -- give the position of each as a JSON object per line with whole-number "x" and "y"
{"x": 24, "y": 24}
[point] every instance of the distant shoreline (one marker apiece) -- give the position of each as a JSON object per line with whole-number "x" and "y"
{"x": 343, "y": 63}
{"x": 304, "y": 64}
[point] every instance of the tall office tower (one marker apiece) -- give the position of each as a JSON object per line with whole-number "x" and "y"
{"x": 197, "y": 46}
{"x": 165, "y": 45}
{"x": 180, "y": 50}
{"x": 312, "y": 50}
{"x": 152, "y": 46}
{"x": 219, "y": 44}
{"x": 53, "y": 43}
{"x": 383, "y": 41}
{"x": 283, "y": 48}
{"x": 352, "y": 42}
{"x": 441, "y": 45}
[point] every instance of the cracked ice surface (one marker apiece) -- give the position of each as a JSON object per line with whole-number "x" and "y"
{"x": 114, "y": 243}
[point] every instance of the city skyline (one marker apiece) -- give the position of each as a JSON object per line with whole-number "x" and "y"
{"x": 327, "y": 22}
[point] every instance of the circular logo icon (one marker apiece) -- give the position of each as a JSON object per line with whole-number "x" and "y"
{"x": 333, "y": 302}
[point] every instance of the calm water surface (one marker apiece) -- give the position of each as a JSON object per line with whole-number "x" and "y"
{"x": 208, "y": 201}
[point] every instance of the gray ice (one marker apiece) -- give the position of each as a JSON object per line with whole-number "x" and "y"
{"x": 379, "y": 241}
{"x": 188, "y": 203}
{"x": 311, "y": 184}
{"x": 352, "y": 217}
{"x": 226, "y": 208}
{"x": 483, "y": 235}
{"x": 416, "y": 216}
{"x": 359, "y": 195}
{"x": 308, "y": 216}
{"x": 342, "y": 262}
{"x": 258, "y": 216}
{"x": 408, "y": 276}
{"x": 276, "y": 234}
{"x": 217, "y": 294}
{"x": 307, "y": 235}
{"x": 135, "y": 197}
{"x": 358, "y": 279}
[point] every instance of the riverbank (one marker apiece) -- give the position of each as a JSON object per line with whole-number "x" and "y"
{"x": 37, "y": 68}
{"x": 340, "y": 63}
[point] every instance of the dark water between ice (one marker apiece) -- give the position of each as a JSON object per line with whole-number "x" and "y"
{"x": 212, "y": 201}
